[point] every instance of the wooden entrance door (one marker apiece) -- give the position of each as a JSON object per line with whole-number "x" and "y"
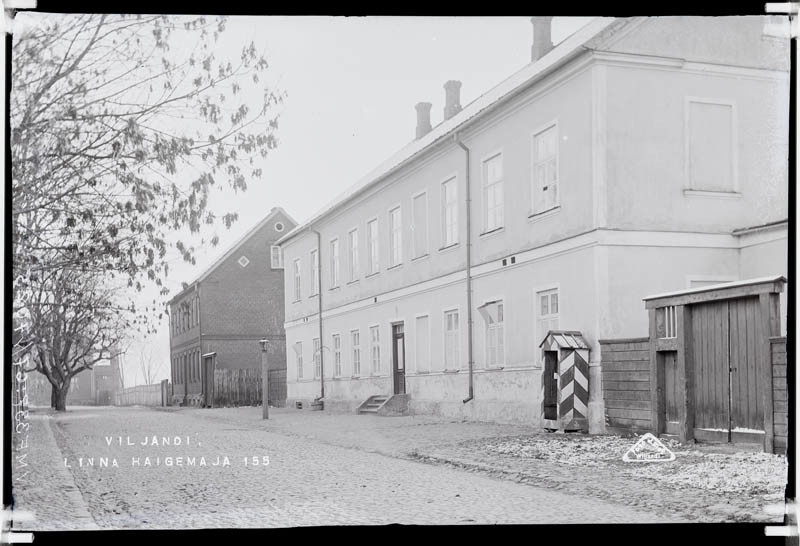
{"x": 724, "y": 355}
{"x": 208, "y": 381}
{"x": 550, "y": 379}
{"x": 399, "y": 358}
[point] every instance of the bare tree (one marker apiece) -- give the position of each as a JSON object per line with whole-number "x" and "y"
{"x": 149, "y": 366}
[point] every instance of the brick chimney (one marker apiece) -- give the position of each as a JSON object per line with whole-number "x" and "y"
{"x": 542, "y": 43}
{"x": 452, "y": 100}
{"x": 423, "y": 118}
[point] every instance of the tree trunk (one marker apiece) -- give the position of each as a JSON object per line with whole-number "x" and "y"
{"x": 61, "y": 396}
{"x": 53, "y": 392}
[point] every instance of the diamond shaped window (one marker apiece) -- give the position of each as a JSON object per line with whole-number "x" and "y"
{"x": 243, "y": 261}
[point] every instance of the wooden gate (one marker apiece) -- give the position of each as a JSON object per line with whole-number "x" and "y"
{"x": 710, "y": 357}
{"x": 724, "y": 352}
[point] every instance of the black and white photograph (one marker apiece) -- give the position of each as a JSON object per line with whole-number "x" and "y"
{"x": 280, "y": 272}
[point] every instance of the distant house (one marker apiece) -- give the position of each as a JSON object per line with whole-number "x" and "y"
{"x": 94, "y": 387}
{"x": 217, "y": 320}
{"x": 638, "y": 156}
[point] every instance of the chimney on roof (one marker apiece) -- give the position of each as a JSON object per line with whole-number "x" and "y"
{"x": 452, "y": 100}
{"x": 423, "y": 118}
{"x": 542, "y": 43}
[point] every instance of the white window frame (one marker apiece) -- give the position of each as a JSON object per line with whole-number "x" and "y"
{"x": 537, "y": 293}
{"x": 373, "y": 246}
{"x": 536, "y": 186}
{"x": 316, "y": 357}
{"x": 486, "y": 187}
{"x": 419, "y": 252}
{"x": 689, "y": 189}
{"x": 275, "y": 264}
{"x": 453, "y": 206}
{"x": 333, "y": 246}
{"x": 298, "y": 358}
{"x": 298, "y": 288}
{"x": 352, "y": 254}
{"x": 355, "y": 353}
{"x": 493, "y": 324}
{"x": 395, "y": 236}
{"x": 374, "y": 349}
{"x": 314, "y": 259}
{"x": 457, "y": 355}
{"x": 336, "y": 343}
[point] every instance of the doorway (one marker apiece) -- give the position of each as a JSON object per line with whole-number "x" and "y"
{"x": 668, "y": 370}
{"x": 208, "y": 381}
{"x": 550, "y": 379}
{"x": 399, "y": 358}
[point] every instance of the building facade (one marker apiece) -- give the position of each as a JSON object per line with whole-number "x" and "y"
{"x": 638, "y": 156}
{"x": 216, "y": 322}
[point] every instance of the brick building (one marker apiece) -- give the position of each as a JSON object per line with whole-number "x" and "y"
{"x": 217, "y": 320}
{"x": 95, "y": 387}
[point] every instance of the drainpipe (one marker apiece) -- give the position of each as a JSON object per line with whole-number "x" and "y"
{"x": 319, "y": 302}
{"x": 470, "y": 361}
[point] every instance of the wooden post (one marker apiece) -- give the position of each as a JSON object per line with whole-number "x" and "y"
{"x": 264, "y": 379}
{"x": 655, "y": 399}
{"x": 685, "y": 371}
{"x": 764, "y": 360}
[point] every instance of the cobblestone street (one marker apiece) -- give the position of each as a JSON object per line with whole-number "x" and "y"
{"x": 210, "y": 479}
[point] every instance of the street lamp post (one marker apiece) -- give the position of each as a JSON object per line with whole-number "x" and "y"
{"x": 264, "y": 379}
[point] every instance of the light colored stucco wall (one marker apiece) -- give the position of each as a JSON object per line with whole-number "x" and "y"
{"x": 764, "y": 254}
{"x": 647, "y": 149}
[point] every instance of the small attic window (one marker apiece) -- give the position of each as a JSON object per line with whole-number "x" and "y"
{"x": 243, "y": 261}
{"x": 278, "y": 226}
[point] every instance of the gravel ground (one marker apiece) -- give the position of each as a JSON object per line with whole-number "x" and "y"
{"x": 706, "y": 483}
{"x": 307, "y": 481}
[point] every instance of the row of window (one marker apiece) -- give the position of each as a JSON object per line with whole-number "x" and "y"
{"x": 546, "y": 196}
{"x": 493, "y": 314}
{"x": 186, "y": 368}
{"x": 185, "y": 316}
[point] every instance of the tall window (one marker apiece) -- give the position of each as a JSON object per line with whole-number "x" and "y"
{"x": 493, "y": 193}
{"x": 337, "y": 355}
{"x": 451, "y": 349}
{"x": 422, "y": 349}
{"x": 548, "y": 313}
{"x": 317, "y": 357}
{"x": 375, "y": 348}
{"x": 298, "y": 358}
{"x": 449, "y": 213}
{"x": 545, "y": 169}
{"x": 395, "y": 237}
{"x": 492, "y": 314}
{"x": 297, "y": 279}
{"x": 373, "y": 250}
{"x": 314, "y": 272}
{"x": 275, "y": 257}
{"x": 355, "y": 340}
{"x": 334, "y": 263}
{"x": 352, "y": 249}
{"x": 420, "y": 225}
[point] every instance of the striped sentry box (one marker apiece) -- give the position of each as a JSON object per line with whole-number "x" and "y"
{"x": 572, "y": 380}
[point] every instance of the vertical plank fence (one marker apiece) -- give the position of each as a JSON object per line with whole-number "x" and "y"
{"x": 239, "y": 387}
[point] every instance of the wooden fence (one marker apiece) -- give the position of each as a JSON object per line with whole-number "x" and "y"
{"x": 156, "y": 394}
{"x": 626, "y": 384}
{"x": 779, "y": 399}
{"x": 242, "y": 387}
{"x": 239, "y": 387}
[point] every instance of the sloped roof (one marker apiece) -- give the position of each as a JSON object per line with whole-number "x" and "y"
{"x": 234, "y": 247}
{"x": 568, "y": 49}
{"x": 565, "y": 339}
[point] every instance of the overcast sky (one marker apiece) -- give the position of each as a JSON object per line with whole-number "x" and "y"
{"x": 351, "y": 85}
